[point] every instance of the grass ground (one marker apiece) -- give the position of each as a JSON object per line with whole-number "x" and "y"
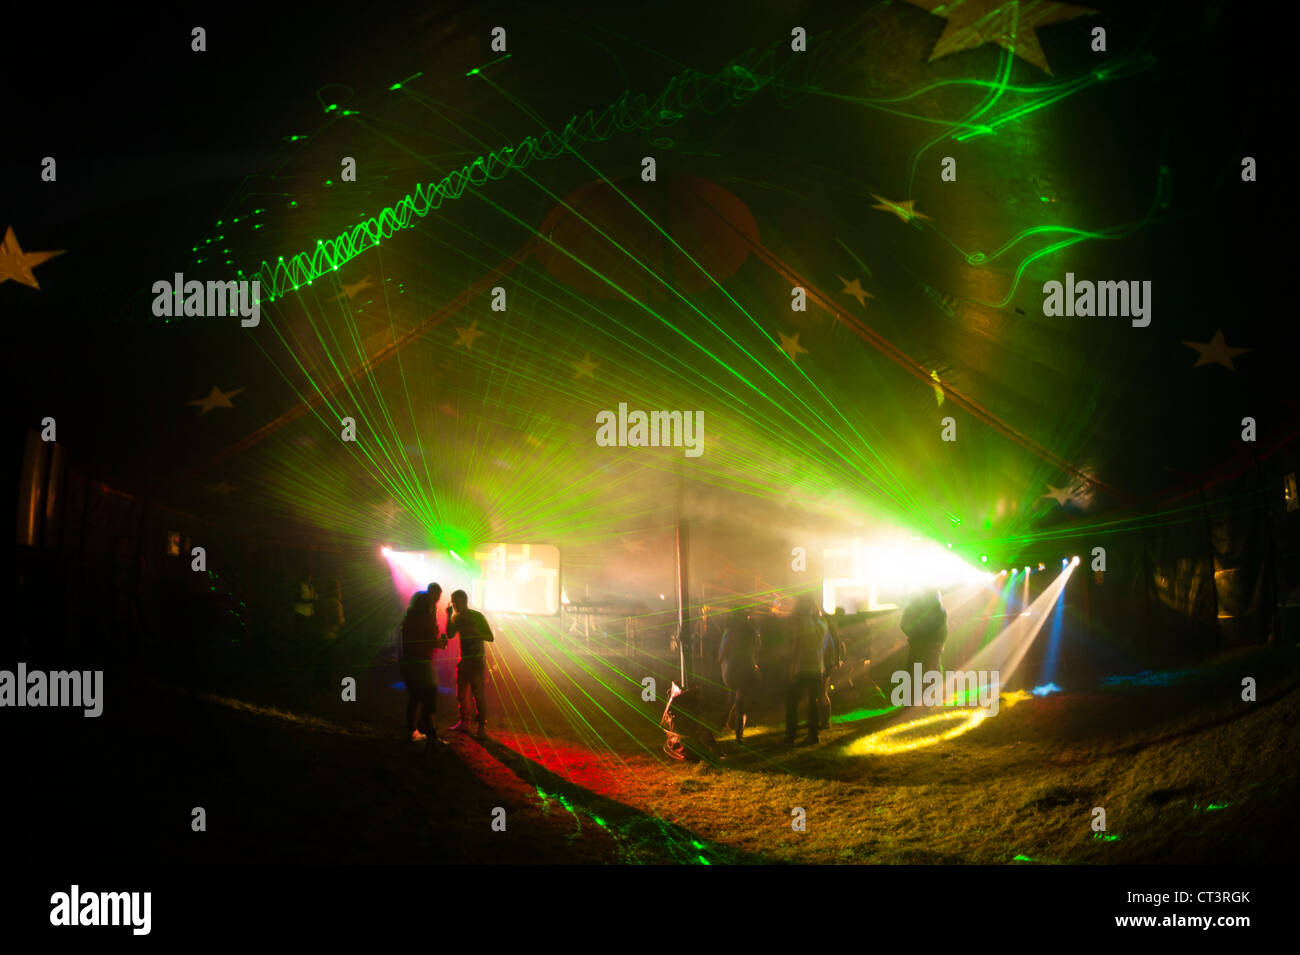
{"x": 1185, "y": 771}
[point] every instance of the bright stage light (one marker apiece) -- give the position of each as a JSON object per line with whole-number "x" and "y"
{"x": 518, "y": 578}
{"x": 1076, "y": 559}
{"x": 1040, "y": 566}
{"x": 386, "y": 551}
{"x": 879, "y": 574}
{"x": 984, "y": 558}
{"x": 1027, "y": 568}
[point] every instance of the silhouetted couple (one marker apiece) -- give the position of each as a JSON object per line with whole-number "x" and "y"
{"x": 420, "y": 637}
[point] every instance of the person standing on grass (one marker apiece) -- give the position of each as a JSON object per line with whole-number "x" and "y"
{"x": 331, "y": 622}
{"x": 419, "y": 640}
{"x": 832, "y": 660}
{"x": 471, "y": 672}
{"x": 738, "y": 659}
{"x": 925, "y": 624}
{"x": 805, "y": 668}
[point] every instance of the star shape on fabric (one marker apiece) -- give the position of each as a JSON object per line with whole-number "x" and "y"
{"x": 1061, "y": 495}
{"x": 791, "y": 346}
{"x": 16, "y": 264}
{"x": 224, "y": 488}
{"x": 216, "y": 399}
{"x": 466, "y": 336}
{"x": 1011, "y": 24}
{"x": 1216, "y": 351}
{"x": 585, "y": 368}
{"x": 533, "y": 440}
{"x": 351, "y": 290}
{"x": 905, "y": 209}
{"x": 855, "y": 289}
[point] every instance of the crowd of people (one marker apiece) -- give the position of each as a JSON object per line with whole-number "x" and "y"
{"x": 802, "y": 653}
{"x": 810, "y": 650}
{"x": 813, "y": 652}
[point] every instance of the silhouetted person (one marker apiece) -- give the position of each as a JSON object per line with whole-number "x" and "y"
{"x": 711, "y": 644}
{"x": 419, "y": 640}
{"x": 329, "y": 618}
{"x": 738, "y": 658}
{"x": 833, "y": 658}
{"x": 302, "y": 639}
{"x": 304, "y": 606}
{"x": 925, "y": 623}
{"x": 805, "y": 667}
{"x": 331, "y": 612}
{"x": 471, "y": 672}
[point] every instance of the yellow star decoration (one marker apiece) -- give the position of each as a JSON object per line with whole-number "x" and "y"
{"x": 938, "y": 387}
{"x": 1008, "y": 23}
{"x": 351, "y": 290}
{"x": 855, "y": 289}
{"x": 585, "y": 368}
{"x": 1216, "y": 351}
{"x": 904, "y": 210}
{"x": 216, "y": 399}
{"x": 791, "y": 346}
{"x": 16, "y": 264}
{"x": 1061, "y": 495}
{"x": 466, "y": 336}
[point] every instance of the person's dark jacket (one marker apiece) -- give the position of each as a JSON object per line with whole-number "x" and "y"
{"x": 419, "y": 640}
{"x": 925, "y": 622}
{"x": 739, "y": 656}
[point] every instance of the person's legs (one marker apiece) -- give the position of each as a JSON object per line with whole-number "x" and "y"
{"x": 429, "y": 711}
{"x": 462, "y": 692}
{"x": 742, "y": 708}
{"x": 412, "y": 709}
{"x": 478, "y": 678}
{"x": 813, "y": 687}
{"x": 792, "y": 690}
{"x": 930, "y": 663}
